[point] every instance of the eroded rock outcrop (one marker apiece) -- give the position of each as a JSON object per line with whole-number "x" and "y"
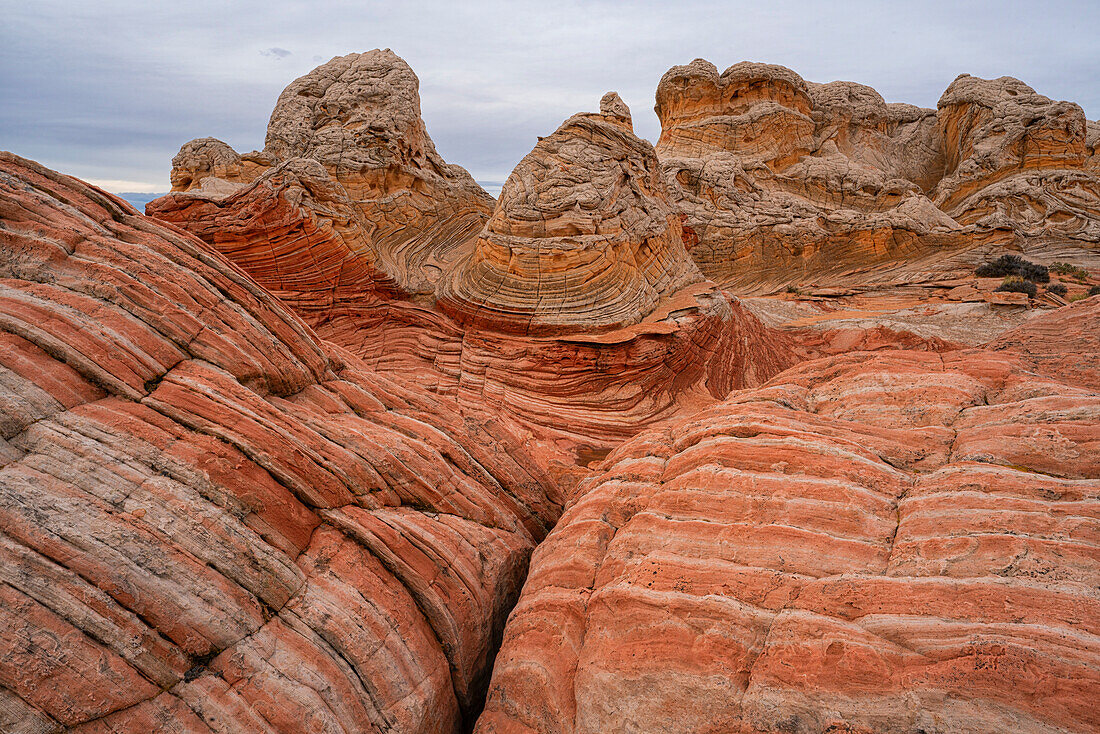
{"x": 583, "y": 238}
{"x": 1016, "y": 161}
{"x": 578, "y": 309}
{"x": 871, "y": 542}
{"x": 581, "y": 307}
{"x": 359, "y": 117}
{"x": 782, "y": 181}
{"x": 210, "y": 519}
{"x": 299, "y": 235}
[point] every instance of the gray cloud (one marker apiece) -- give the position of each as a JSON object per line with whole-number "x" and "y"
{"x": 278, "y": 53}
{"x": 110, "y": 90}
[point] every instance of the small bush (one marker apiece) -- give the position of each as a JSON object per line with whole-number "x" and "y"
{"x": 1016, "y": 284}
{"x": 1094, "y": 290}
{"x": 1007, "y": 265}
{"x": 1071, "y": 271}
{"x": 1058, "y": 289}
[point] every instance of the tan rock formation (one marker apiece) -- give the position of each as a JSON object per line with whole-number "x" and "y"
{"x": 784, "y": 182}
{"x": 1092, "y": 145}
{"x": 210, "y": 519}
{"x": 209, "y": 167}
{"x": 1015, "y": 161}
{"x": 579, "y": 285}
{"x": 878, "y": 542}
{"x": 359, "y": 116}
{"x": 781, "y": 182}
{"x": 583, "y": 238}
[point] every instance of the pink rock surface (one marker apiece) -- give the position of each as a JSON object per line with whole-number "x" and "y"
{"x": 895, "y": 541}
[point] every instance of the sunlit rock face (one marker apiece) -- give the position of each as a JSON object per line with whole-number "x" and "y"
{"x": 782, "y": 181}
{"x": 867, "y": 543}
{"x": 210, "y": 519}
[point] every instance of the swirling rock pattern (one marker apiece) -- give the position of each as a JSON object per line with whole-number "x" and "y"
{"x": 359, "y": 117}
{"x": 869, "y": 542}
{"x": 580, "y": 284}
{"x": 582, "y": 239}
{"x": 296, "y": 232}
{"x": 211, "y": 520}
{"x": 782, "y": 181}
{"x": 278, "y": 461}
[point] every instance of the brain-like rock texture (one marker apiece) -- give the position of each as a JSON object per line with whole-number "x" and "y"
{"x": 359, "y": 117}
{"x": 783, "y": 181}
{"x": 868, "y": 543}
{"x": 583, "y": 237}
{"x": 1015, "y": 160}
{"x": 211, "y": 520}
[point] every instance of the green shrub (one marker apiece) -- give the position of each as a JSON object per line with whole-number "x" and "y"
{"x": 1071, "y": 271}
{"x": 1058, "y": 289}
{"x": 1094, "y": 290}
{"x": 1016, "y": 284}
{"x": 1007, "y": 265}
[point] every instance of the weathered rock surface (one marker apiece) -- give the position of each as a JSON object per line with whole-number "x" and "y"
{"x": 782, "y": 181}
{"x": 287, "y": 474}
{"x": 210, "y": 519}
{"x": 359, "y": 117}
{"x": 296, "y": 232}
{"x": 880, "y": 542}
{"x": 1016, "y": 161}
{"x": 579, "y": 285}
{"x": 583, "y": 237}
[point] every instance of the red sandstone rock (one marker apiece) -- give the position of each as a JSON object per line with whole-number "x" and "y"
{"x": 288, "y": 490}
{"x": 870, "y": 542}
{"x": 359, "y": 117}
{"x": 578, "y": 311}
{"x": 211, "y": 520}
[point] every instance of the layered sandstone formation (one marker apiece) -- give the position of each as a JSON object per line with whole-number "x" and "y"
{"x": 781, "y": 181}
{"x": 283, "y": 466}
{"x": 895, "y": 542}
{"x": 579, "y": 284}
{"x": 583, "y": 237}
{"x": 298, "y": 234}
{"x": 359, "y": 117}
{"x": 211, "y": 520}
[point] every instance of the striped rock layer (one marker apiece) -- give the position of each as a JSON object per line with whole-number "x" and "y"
{"x": 578, "y": 311}
{"x": 285, "y": 471}
{"x": 213, "y": 521}
{"x": 583, "y": 238}
{"x": 879, "y": 542}
{"x": 359, "y": 117}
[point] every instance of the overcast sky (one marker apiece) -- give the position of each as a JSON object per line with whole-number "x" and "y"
{"x": 109, "y": 90}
